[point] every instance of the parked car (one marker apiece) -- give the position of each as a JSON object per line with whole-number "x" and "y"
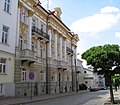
{"x": 93, "y": 89}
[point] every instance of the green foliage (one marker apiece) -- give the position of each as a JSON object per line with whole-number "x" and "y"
{"x": 103, "y": 57}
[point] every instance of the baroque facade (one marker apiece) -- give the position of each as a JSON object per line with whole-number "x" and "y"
{"x": 45, "y": 51}
{"x": 8, "y": 20}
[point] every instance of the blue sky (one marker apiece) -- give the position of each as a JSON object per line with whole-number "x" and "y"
{"x": 97, "y": 22}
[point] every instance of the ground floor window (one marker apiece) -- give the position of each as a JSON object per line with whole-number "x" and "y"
{"x": 23, "y": 75}
{"x": 2, "y": 66}
{"x": 0, "y": 88}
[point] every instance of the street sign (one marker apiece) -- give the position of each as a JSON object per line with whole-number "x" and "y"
{"x": 31, "y": 75}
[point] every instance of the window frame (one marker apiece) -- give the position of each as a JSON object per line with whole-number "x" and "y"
{"x": 3, "y": 66}
{"x": 5, "y": 34}
{"x": 7, "y": 6}
{"x": 23, "y": 75}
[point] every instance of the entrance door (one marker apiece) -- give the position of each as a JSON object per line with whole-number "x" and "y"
{"x": 59, "y": 82}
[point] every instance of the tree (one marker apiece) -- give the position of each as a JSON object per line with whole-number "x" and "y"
{"x": 103, "y": 59}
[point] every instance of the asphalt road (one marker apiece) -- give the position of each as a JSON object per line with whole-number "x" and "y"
{"x": 89, "y": 98}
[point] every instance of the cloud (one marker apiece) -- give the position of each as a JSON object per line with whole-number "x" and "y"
{"x": 45, "y": 2}
{"x": 117, "y": 34}
{"x": 97, "y": 22}
{"x": 109, "y": 9}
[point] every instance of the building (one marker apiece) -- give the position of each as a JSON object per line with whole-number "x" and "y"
{"x": 45, "y": 51}
{"x": 99, "y": 80}
{"x": 80, "y": 72}
{"x": 8, "y": 21}
{"x": 89, "y": 77}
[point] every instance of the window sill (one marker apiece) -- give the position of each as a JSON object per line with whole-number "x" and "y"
{"x": 7, "y": 12}
{"x": 3, "y": 73}
{"x": 4, "y": 44}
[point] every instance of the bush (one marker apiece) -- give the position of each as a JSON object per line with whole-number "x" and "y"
{"x": 82, "y": 86}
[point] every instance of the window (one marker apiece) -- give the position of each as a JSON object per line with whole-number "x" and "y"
{"x": 32, "y": 46}
{"x": 41, "y": 76}
{"x": 35, "y": 22}
{"x": 42, "y": 27}
{"x": 2, "y": 66}
{"x": 0, "y": 88}
{"x": 23, "y": 75}
{"x": 5, "y": 34}
{"x": 20, "y": 42}
{"x": 7, "y": 6}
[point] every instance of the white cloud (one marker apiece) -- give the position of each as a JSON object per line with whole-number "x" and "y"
{"x": 96, "y": 23}
{"x": 45, "y": 2}
{"x": 109, "y": 9}
{"x": 117, "y": 34}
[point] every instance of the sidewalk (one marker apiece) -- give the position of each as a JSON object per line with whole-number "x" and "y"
{"x": 116, "y": 98}
{"x": 21, "y": 100}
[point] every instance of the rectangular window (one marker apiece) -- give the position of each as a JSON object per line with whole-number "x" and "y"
{"x": 0, "y": 88}
{"x": 5, "y": 34}
{"x": 23, "y": 75}
{"x": 7, "y": 5}
{"x": 2, "y": 66}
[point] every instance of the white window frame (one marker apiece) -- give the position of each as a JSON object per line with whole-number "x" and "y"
{"x": 23, "y": 75}
{"x": 7, "y": 5}
{"x": 3, "y": 66}
{"x": 5, "y": 34}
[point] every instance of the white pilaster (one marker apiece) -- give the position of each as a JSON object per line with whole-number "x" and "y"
{"x": 65, "y": 51}
{"x": 56, "y": 46}
{"x": 49, "y": 44}
{"x": 73, "y": 56}
{"x": 60, "y": 48}
{"x": 18, "y": 27}
{"x": 30, "y": 14}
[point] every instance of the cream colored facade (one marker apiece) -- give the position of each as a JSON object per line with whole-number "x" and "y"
{"x": 45, "y": 51}
{"x": 8, "y": 19}
{"x": 89, "y": 77}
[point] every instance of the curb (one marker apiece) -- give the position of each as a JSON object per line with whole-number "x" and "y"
{"x": 49, "y": 97}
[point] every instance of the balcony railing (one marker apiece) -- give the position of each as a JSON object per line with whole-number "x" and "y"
{"x": 69, "y": 50}
{"x": 27, "y": 54}
{"x": 40, "y": 33}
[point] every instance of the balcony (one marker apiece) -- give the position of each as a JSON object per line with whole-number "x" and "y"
{"x": 69, "y": 50}
{"x": 62, "y": 65}
{"x": 27, "y": 55}
{"x": 39, "y": 33}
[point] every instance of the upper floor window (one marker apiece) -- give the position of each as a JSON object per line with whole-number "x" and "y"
{"x": 7, "y": 5}
{"x": 2, "y": 65}
{"x": 24, "y": 15}
{"x": 42, "y": 27}
{"x": 20, "y": 42}
{"x": 5, "y": 34}
{"x": 35, "y": 22}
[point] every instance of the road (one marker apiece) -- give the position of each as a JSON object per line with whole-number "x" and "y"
{"x": 89, "y": 98}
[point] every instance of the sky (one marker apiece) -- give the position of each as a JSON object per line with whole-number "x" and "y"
{"x": 97, "y": 22}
